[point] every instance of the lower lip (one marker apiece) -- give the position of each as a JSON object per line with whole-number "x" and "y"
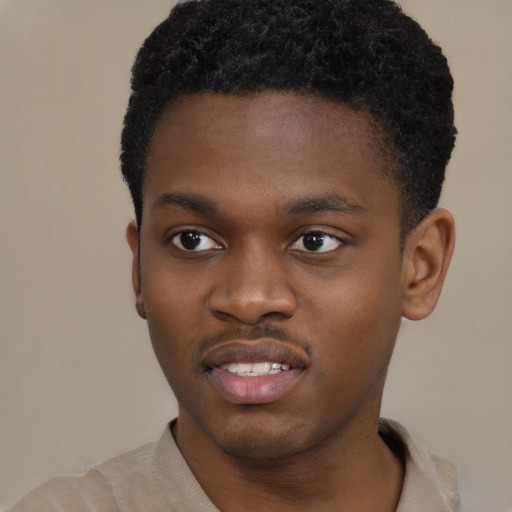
{"x": 253, "y": 390}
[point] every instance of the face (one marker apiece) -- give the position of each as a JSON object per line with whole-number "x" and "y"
{"x": 270, "y": 269}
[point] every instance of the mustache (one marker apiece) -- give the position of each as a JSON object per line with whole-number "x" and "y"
{"x": 255, "y": 332}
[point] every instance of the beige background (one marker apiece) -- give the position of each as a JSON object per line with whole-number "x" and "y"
{"x": 78, "y": 380}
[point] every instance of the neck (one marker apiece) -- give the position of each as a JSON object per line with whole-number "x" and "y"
{"x": 352, "y": 471}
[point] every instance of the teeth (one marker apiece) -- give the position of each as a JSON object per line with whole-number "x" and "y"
{"x": 244, "y": 367}
{"x": 232, "y": 368}
{"x": 255, "y": 369}
{"x": 261, "y": 367}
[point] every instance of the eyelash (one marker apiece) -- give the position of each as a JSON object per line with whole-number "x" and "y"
{"x": 318, "y": 233}
{"x": 175, "y": 240}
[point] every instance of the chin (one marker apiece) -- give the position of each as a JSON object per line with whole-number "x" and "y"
{"x": 261, "y": 441}
{"x": 257, "y": 449}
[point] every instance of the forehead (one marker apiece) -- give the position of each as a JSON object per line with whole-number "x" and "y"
{"x": 278, "y": 144}
{"x": 279, "y": 117}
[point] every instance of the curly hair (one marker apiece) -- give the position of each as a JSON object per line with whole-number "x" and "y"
{"x": 362, "y": 53}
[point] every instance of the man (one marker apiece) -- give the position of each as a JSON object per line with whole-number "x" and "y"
{"x": 285, "y": 160}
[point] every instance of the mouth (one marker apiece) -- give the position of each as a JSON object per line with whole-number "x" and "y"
{"x": 255, "y": 372}
{"x": 255, "y": 369}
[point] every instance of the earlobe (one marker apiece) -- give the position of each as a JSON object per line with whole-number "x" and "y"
{"x": 427, "y": 254}
{"x": 132, "y": 236}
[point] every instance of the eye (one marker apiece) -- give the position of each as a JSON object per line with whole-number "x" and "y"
{"x": 316, "y": 241}
{"x": 191, "y": 240}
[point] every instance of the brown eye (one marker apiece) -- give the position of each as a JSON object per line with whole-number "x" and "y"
{"x": 316, "y": 241}
{"x": 313, "y": 241}
{"x": 194, "y": 241}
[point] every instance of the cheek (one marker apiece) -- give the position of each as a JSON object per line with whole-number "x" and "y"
{"x": 171, "y": 297}
{"x": 174, "y": 317}
{"x": 172, "y": 330}
{"x": 358, "y": 317}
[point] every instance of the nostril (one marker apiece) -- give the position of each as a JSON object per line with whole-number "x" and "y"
{"x": 252, "y": 284}
{"x": 252, "y": 308}
{"x": 278, "y": 315}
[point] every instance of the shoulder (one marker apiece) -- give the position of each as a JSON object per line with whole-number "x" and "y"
{"x": 70, "y": 493}
{"x": 430, "y": 482}
{"x": 95, "y": 489}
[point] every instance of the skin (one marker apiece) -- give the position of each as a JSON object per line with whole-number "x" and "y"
{"x": 252, "y": 176}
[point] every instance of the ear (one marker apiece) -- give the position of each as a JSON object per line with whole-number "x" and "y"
{"x": 427, "y": 254}
{"x": 132, "y": 236}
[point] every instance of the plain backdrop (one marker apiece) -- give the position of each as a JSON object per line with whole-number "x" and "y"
{"x": 78, "y": 379}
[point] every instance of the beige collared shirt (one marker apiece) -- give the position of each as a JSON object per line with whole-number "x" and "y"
{"x": 155, "y": 478}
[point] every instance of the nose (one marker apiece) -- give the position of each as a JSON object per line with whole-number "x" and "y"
{"x": 253, "y": 286}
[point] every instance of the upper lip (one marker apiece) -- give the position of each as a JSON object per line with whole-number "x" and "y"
{"x": 255, "y": 351}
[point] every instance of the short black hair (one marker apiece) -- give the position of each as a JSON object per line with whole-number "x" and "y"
{"x": 363, "y": 53}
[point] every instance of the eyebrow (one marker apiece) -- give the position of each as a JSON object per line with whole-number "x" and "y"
{"x": 302, "y": 205}
{"x": 191, "y": 202}
{"x": 319, "y": 204}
